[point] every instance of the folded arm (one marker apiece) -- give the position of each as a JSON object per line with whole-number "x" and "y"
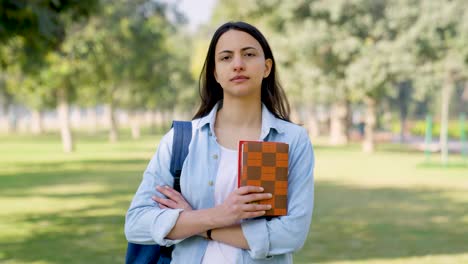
{"x": 222, "y": 218}
{"x": 147, "y": 222}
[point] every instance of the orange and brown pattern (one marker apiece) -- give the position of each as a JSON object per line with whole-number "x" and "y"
{"x": 266, "y": 164}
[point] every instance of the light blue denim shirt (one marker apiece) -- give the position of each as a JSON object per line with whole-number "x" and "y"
{"x": 270, "y": 241}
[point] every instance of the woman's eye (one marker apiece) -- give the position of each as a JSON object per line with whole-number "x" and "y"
{"x": 225, "y": 58}
{"x": 249, "y": 54}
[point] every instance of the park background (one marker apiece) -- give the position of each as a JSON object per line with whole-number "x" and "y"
{"x": 87, "y": 89}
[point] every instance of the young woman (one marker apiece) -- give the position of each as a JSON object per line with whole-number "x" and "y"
{"x": 211, "y": 220}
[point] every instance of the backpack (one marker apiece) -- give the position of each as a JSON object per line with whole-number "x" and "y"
{"x": 149, "y": 254}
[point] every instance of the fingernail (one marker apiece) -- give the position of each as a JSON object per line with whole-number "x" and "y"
{"x": 270, "y": 195}
{"x": 167, "y": 187}
{"x": 153, "y": 197}
{"x": 261, "y": 189}
{"x": 269, "y": 207}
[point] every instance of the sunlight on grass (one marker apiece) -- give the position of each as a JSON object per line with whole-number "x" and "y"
{"x": 436, "y": 259}
{"x": 35, "y": 204}
{"x": 85, "y": 188}
{"x": 67, "y": 208}
{"x": 400, "y": 170}
{"x": 382, "y": 208}
{"x": 465, "y": 219}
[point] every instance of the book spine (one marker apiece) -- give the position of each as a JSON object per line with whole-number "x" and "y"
{"x": 239, "y": 163}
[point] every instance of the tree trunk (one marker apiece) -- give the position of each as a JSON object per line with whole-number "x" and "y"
{"x": 403, "y": 128}
{"x": 64, "y": 120}
{"x": 113, "y": 130}
{"x": 348, "y": 120}
{"x": 36, "y": 122}
{"x": 93, "y": 120}
{"x": 295, "y": 116}
{"x": 159, "y": 117}
{"x": 135, "y": 124}
{"x": 147, "y": 118}
{"x": 312, "y": 123}
{"x": 368, "y": 145}
{"x": 386, "y": 121}
{"x": 403, "y": 97}
{"x": 167, "y": 118}
{"x": 153, "y": 122}
{"x": 338, "y": 135}
{"x": 12, "y": 118}
{"x": 446, "y": 94}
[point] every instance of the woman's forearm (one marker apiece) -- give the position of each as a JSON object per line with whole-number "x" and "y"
{"x": 192, "y": 222}
{"x": 197, "y": 222}
{"x": 231, "y": 235}
{"x": 235, "y": 208}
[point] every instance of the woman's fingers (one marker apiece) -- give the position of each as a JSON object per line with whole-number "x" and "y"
{"x": 169, "y": 192}
{"x": 256, "y": 207}
{"x": 248, "y": 189}
{"x": 165, "y": 202}
{"x": 255, "y": 197}
{"x": 174, "y": 198}
{"x": 254, "y": 214}
{"x": 250, "y": 194}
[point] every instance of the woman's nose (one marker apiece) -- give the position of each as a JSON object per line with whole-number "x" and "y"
{"x": 238, "y": 63}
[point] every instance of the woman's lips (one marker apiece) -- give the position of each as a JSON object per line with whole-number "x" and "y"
{"x": 239, "y": 79}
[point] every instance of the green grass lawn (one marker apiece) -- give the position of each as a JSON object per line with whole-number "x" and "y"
{"x": 390, "y": 207}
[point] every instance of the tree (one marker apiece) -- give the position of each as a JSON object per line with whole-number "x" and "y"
{"x": 40, "y": 24}
{"x": 130, "y": 66}
{"x": 361, "y": 51}
{"x": 42, "y": 27}
{"x": 440, "y": 35}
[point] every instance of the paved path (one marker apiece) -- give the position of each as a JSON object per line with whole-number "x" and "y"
{"x": 418, "y": 143}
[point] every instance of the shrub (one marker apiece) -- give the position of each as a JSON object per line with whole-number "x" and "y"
{"x": 418, "y": 128}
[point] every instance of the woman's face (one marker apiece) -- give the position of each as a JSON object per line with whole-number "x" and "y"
{"x": 240, "y": 64}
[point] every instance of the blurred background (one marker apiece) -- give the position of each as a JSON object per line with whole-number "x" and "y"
{"x": 87, "y": 89}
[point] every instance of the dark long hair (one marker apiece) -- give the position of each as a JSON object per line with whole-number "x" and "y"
{"x": 272, "y": 94}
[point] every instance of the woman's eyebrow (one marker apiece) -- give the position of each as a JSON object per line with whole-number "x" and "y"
{"x": 230, "y": 51}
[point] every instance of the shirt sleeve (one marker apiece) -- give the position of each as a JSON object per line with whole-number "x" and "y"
{"x": 288, "y": 233}
{"x": 145, "y": 222}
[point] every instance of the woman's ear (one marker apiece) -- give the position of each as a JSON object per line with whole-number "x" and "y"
{"x": 268, "y": 65}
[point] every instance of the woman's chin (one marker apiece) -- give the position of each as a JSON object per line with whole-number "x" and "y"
{"x": 240, "y": 93}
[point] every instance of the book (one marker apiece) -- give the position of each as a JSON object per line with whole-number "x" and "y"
{"x": 265, "y": 164}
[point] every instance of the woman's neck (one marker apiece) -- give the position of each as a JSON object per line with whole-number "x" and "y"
{"x": 240, "y": 114}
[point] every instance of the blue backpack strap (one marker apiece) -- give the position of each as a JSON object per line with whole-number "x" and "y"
{"x": 144, "y": 254}
{"x": 180, "y": 144}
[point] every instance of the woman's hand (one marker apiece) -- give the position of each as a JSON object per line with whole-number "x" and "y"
{"x": 174, "y": 199}
{"x": 238, "y": 205}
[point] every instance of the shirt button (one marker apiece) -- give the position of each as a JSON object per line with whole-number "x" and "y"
{"x": 210, "y": 183}
{"x": 215, "y": 156}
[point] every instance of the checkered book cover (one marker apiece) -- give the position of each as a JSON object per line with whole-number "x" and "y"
{"x": 266, "y": 164}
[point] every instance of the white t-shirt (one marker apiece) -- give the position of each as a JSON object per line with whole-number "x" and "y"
{"x": 226, "y": 182}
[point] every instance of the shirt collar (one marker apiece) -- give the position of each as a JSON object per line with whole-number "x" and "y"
{"x": 269, "y": 121}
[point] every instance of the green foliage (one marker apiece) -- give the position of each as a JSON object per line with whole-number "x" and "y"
{"x": 335, "y": 50}
{"x": 128, "y": 53}
{"x": 42, "y": 24}
{"x": 131, "y": 55}
{"x": 135, "y": 54}
{"x": 37, "y": 62}
{"x": 418, "y": 128}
